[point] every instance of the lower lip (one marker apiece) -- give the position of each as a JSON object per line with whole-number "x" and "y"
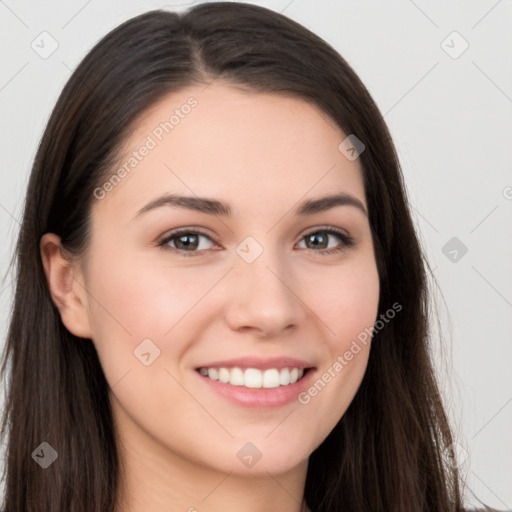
{"x": 260, "y": 397}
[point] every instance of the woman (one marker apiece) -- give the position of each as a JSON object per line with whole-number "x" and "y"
{"x": 181, "y": 339}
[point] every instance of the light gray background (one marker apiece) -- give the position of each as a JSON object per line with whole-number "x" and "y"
{"x": 450, "y": 119}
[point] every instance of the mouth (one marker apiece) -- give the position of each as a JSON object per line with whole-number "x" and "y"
{"x": 258, "y": 382}
{"x": 254, "y": 378}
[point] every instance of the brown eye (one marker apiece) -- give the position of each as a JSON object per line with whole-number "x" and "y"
{"x": 317, "y": 240}
{"x": 186, "y": 241}
{"x": 320, "y": 240}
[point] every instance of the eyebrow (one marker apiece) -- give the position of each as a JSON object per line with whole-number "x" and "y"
{"x": 215, "y": 207}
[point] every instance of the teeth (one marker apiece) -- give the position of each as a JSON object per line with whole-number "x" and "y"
{"x": 284, "y": 377}
{"x": 271, "y": 378}
{"x": 224, "y": 375}
{"x": 254, "y": 378}
{"x": 237, "y": 377}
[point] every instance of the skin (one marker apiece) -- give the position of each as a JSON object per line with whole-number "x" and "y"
{"x": 263, "y": 154}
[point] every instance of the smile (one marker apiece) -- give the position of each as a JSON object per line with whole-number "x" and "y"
{"x": 253, "y": 377}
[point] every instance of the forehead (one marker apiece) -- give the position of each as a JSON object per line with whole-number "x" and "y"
{"x": 247, "y": 149}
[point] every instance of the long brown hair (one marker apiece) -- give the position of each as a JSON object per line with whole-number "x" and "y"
{"x": 388, "y": 451}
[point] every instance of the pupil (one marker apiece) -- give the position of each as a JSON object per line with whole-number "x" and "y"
{"x": 314, "y": 238}
{"x": 187, "y": 244}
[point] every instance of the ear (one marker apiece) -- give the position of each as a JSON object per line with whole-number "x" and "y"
{"x": 66, "y": 284}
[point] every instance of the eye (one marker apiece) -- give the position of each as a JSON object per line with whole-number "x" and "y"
{"x": 320, "y": 239}
{"x": 188, "y": 242}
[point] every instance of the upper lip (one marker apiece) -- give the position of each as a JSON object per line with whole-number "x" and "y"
{"x": 259, "y": 363}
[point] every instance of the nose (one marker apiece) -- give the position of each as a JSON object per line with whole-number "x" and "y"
{"x": 262, "y": 298}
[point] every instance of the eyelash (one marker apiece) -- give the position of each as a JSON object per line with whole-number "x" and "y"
{"x": 346, "y": 241}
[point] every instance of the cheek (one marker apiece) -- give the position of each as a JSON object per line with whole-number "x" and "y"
{"x": 136, "y": 299}
{"x": 130, "y": 302}
{"x": 144, "y": 297}
{"x": 358, "y": 305}
{"x": 345, "y": 299}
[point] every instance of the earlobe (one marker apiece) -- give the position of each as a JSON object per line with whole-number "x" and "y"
{"x": 65, "y": 283}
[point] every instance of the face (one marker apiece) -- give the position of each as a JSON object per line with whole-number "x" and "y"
{"x": 260, "y": 290}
